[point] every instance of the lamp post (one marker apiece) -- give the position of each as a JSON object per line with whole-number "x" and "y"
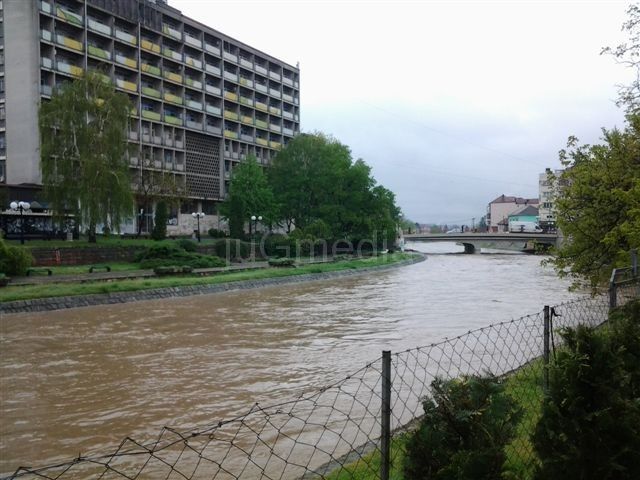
{"x": 254, "y": 221}
{"x": 21, "y": 206}
{"x": 198, "y": 216}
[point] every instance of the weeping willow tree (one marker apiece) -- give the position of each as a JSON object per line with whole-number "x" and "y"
{"x": 83, "y": 135}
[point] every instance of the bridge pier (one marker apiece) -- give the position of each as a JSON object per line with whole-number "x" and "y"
{"x": 469, "y": 248}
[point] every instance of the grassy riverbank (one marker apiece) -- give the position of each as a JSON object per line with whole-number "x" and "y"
{"x": 29, "y": 292}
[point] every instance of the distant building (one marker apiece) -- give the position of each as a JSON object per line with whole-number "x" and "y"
{"x": 499, "y": 209}
{"x": 548, "y": 194}
{"x": 526, "y": 213}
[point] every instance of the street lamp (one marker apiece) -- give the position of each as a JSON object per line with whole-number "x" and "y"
{"x": 198, "y": 216}
{"x": 255, "y": 221}
{"x": 20, "y": 206}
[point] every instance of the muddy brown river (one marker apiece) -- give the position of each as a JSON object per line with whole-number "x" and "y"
{"x": 81, "y": 380}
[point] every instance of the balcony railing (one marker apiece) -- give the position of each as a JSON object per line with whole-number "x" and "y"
{"x": 287, "y": 81}
{"x": 172, "y": 32}
{"x": 69, "y": 43}
{"x": 213, "y": 110}
{"x": 99, "y": 52}
{"x": 287, "y": 131}
{"x": 172, "y": 119}
{"x": 196, "y": 42}
{"x": 126, "y": 37}
{"x": 174, "y": 77}
{"x": 288, "y": 115}
{"x": 246, "y": 138}
{"x": 231, "y": 56}
{"x": 167, "y": 52}
{"x": 230, "y": 134}
{"x": 231, "y": 76}
{"x": 275, "y": 128}
{"x": 261, "y": 87}
{"x": 231, "y": 115}
{"x": 275, "y": 145}
{"x": 99, "y": 27}
{"x": 150, "y": 46}
{"x": 231, "y": 96}
{"x": 46, "y": 62}
{"x": 212, "y": 89}
{"x": 170, "y": 97}
{"x": 46, "y": 35}
{"x": 274, "y": 75}
{"x": 274, "y": 93}
{"x": 274, "y": 110}
{"x": 212, "y": 49}
{"x": 261, "y": 69}
{"x": 246, "y": 82}
{"x": 193, "y": 62}
{"x": 262, "y": 141}
{"x": 45, "y": 7}
{"x": 46, "y": 90}
{"x": 261, "y": 123}
{"x": 214, "y": 129}
{"x": 287, "y": 97}
{"x": 197, "y": 84}
{"x": 212, "y": 69}
{"x": 246, "y": 63}
{"x": 146, "y": 68}
{"x": 246, "y": 101}
{"x": 69, "y": 16}
{"x": 70, "y": 69}
{"x": 194, "y": 104}
{"x": 262, "y": 106}
{"x": 193, "y": 124}
{"x": 151, "y": 92}
{"x": 246, "y": 119}
{"x": 129, "y": 62}
{"x": 126, "y": 85}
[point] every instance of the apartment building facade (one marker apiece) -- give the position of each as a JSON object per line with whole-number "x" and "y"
{"x": 202, "y": 101}
{"x": 499, "y": 209}
{"x": 549, "y": 185}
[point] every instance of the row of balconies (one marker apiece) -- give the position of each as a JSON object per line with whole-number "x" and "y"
{"x": 77, "y": 19}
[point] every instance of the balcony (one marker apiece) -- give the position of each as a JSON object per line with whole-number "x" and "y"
{"x": 167, "y": 52}
{"x": 197, "y": 84}
{"x": 231, "y": 96}
{"x": 151, "y": 115}
{"x": 193, "y": 41}
{"x": 133, "y": 135}
{"x": 174, "y": 77}
{"x": 246, "y": 101}
{"x": 274, "y": 93}
{"x": 46, "y": 35}
{"x": 231, "y": 76}
{"x": 193, "y": 62}
{"x": 193, "y": 124}
{"x": 275, "y": 145}
{"x": 69, "y": 43}
{"x": 246, "y": 138}
{"x": 46, "y": 90}
{"x": 194, "y": 104}
{"x": 69, "y": 16}
{"x": 288, "y": 115}
{"x": 246, "y": 119}
{"x": 212, "y": 89}
{"x": 287, "y": 97}
{"x": 212, "y": 69}
{"x": 151, "y": 92}
{"x": 287, "y": 81}
{"x": 231, "y": 115}
{"x": 98, "y": 52}
{"x": 146, "y": 68}
{"x": 213, "y": 110}
{"x": 246, "y": 82}
{"x": 261, "y": 69}
{"x": 262, "y": 141}
{"x": 126, "y": 85}
{"x": 214, "y": 129}
{"x": 274, "y": 110}
{"x": 126, "y": 37}
{"x": 274, "y": 75}
{"x": 287, "y": 131}
{"x": 172, "y": 119}
{"x": 261, "y": 124}
{"x": 70, "y": 69}
{"x": 212, "y": 49}
{"x": 230, "y": 134}
{"x": 46, "y": 62}
{"x": 262, "y": 88}
{"x": 129, "y": 62}
{"x": 231, "y": 56}
{"x": 99, "y": 27}
{"x": 172, "y": 32}
{"x": 246, "y": 62}
{"x": 262, "y": 106}
{"x": 275, "y": 128}
{"x": 149, "y": 46}
{"x": 45, "y": 7}
{"x": 170, "y": 97}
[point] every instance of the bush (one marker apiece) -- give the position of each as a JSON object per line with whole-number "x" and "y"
{"x": 590, "y": 423}
{"x": 14, "y": 260}
{"x": 172, "y": 270}
{"x": 4, "y": 280}
{"x": 275, "y": 245}
{"x": 193, "y": 260}
{"x": 186, "y": 244}
{"x": 163, "y": 250}
{"x": 159, "y": 231}
{"x": 462, "y": 435}
{"x": 214, "y": 233}
{"x": 232, "y": 248}
{"x": 281, "y": 262}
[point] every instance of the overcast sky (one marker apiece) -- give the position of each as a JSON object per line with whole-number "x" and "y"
{"x": 451, "y": 103}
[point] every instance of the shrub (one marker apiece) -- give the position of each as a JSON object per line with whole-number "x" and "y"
{"x": 172, "y": 270}
{"x": 590, "y": 423}
{"x": 193, "y": 260}
{"x": 214, "y": 233}
{"x": 14, "y": 260}
{"x": 275, "y": 245}
{"x": 462, "y": 435}
{"x": 232, "y": 248}
{"x": 162, "y": 250}
{"x": 159, "y": 231}
{"x": 4, "y": 280}
{"x": 186, "y": 244}
{"x": 281, "y": 262}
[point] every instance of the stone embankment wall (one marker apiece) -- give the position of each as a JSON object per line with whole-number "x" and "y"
{"x": 50, "y": 257}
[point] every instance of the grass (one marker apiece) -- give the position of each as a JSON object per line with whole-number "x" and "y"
{"x": 525, "y": 386}
{"x": 103, "y": 242}
{"x": 28, "y": 292}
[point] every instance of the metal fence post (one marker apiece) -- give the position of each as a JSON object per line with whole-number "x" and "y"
{"x": 546, "y": 350}
{"x": 385, "y": 421}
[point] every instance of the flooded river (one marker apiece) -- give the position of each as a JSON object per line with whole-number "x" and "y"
{"x": 81, "y": 380}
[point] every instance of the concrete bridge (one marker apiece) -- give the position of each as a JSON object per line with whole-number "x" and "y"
{"x": 473, "y": 242}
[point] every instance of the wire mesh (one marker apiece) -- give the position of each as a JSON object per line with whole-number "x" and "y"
{"x": 334, "y": 432}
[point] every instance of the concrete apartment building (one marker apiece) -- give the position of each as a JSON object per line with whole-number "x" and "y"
{"x": 548, "y": 192}
{"x": 202, "y": 101}
{"x": 499, "y": 209}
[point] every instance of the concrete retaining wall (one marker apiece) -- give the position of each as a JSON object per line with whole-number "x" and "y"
{"x": 46, "y": 304}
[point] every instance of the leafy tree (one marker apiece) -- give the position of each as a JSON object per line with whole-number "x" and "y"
{"x": 236, "y": 216}
{"x": 466, "y": 425}
{"x": 590, "y": 423}
{"x": 482, "y": 224}
{"x": 249, "y": 194}
{"x": 83, "y": 152}
{"x": 598, "y": 209}
{"x": 160, "y": 221}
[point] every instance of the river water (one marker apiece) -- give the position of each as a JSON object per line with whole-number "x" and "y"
{"x": 81, "y": 380}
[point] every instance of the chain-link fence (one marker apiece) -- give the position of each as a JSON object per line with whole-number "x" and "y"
{"x": 355, "y": 427}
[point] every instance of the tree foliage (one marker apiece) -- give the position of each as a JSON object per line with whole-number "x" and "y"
{"x": 160, "y": 221}
{"x": 598, "y": 209}
{"x": 83, "y": 152}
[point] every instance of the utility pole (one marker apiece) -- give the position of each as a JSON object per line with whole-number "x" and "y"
{"x": 473, "y": 223}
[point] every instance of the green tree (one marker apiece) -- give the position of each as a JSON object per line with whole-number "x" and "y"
{"x": 160, "y": 221}
{"x": 250, "y": 185}
{"x": 598, "y": 209}
{"x": 85, "y": 171}
{"x": 236, "y": 216}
